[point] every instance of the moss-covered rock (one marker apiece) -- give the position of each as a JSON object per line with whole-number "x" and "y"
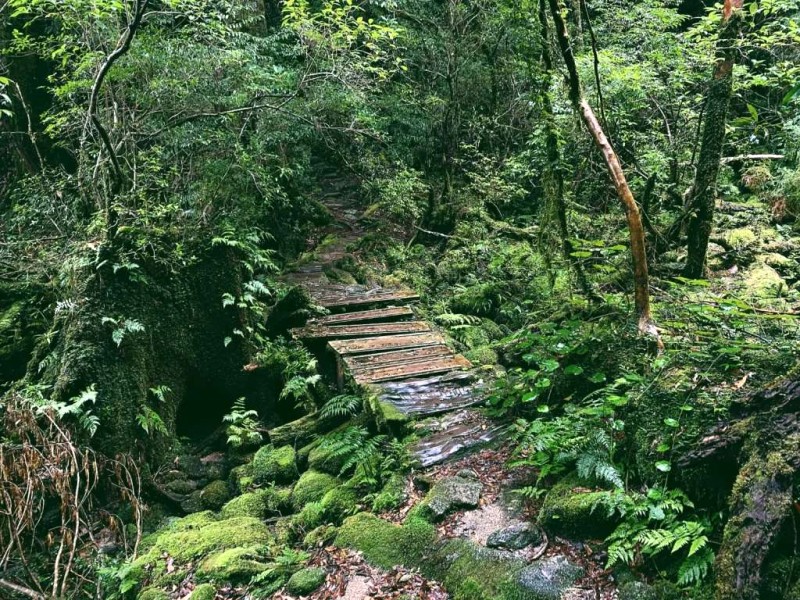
{"x": 204, "y": 591}
{"x": 193, "y": 502}
{"x": 181, "y": 486}
{"x": 274, "y": 465}
{"x": 392, "y": 495}
{"x": 305, "y": 581}
{"x": 310, "y": 517}
{"x": 449, "y": 494}
{"x": 385, "y": 544}
{"x": 762, "y": 281}
{"x": 249, "y": 504}
{"x": 196, "y": 538}
{"x": 323, "y": 460}
{"x": 386, "y": 416}
{"x": 233, "y": 564}
{"x": 338, "y": 503}
{"x": 242, "y": 477}
{"x": 569, "y": 511}
{"x": 311, "y": 487}
{"x": 549, "y": 578}
{"x": 152, "y": 593}
{"x": 215, "y": 495}
{"x": 279, "y": 500}
{"x": 320, "y": 536}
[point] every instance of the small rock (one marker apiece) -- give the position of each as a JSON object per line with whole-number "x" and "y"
{"x": 449, "y": 494}
{"x": 193, "y": 503}
{"x": 305, "y": 581}
{"x": 549, "y": 578}
{"x": 515, "y": 537}
{"x": 182, "y": 486}
{"x": 467, "y": 474}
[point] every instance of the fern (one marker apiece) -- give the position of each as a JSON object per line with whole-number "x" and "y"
{"x": 340, "y": 406}
{"x": 243, "y": 428}
{"x": 455, "y": 319}
{"x": 151, "y": 422}
{"x": 363, "y": 452}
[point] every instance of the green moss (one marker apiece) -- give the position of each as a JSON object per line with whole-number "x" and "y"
{"x": 320, "y": 536}
{"x": 279, "y": 499}
{"x": 385, "y": 544}
{"x": 198, "y": 536}
{"x": 233, "y": 564}
{"x": 249, "y": 504}
{"x": 482, "y": 356}
{"x": 311, "y": 487}
{"x": 338, "y": 503}
{"x": 568, "y": 512}
{"x": 305, "y": 581}
{"x": 215, "y": 494}
{"x": 762, "y": 281}
{"x": 152, "y": 593}
{"x": 204, "y": 591}
{"x": 322, "y": 459}
{"x": 392, "y": 495}
{"x": 274, "y": 465}
{"x": 741, "y": 238}
{"x": 386, "y": 416}
{"x": 311, "y": 517}
{"x": 242, "y": 477}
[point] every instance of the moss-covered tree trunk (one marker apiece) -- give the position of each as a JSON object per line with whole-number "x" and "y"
{"x": 763, "y": 436}
{"x": 718, "y": 99}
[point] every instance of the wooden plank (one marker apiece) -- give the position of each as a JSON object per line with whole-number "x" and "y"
{"x": 356, "y": 331}
{"x": 365, "y": 361}
{"x": 359, "y": 299}
{"x": 387, "y": 342}
{"x": 412, "y": 369}
{"x": 365, "y": 316}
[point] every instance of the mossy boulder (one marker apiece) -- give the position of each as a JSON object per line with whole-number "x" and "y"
{"x": 152, "y": 593}
{"x": 193, "y": 502}
{"x": 215, "y": 495}
{"x": 250, "y": 504}
{"x": 392, "y": 495}
{"x": 338, "y": 503}
{"x": 516, "y": 537}
{"x": 274, "y": 465}
{"x": 386, "y": 416}
{"x": 320, "y": 536}
{"x": 571, "y": 511}
{"x": 385, "y": 544}
{"x": 242, "y": 477}
{"x": 181, "y": 486}
{"x": 305, "y": 581}
{"x": 449, "y": 494}
{"x": 311, "y": 487}
{"x": 310, "y": 517}
{"x": 279, "y": 500}
{"x": 204, "y": 591}
{"x": 322, "y": 459}
{"x": 549, "y": 578}
{"x": 193, "y": 539}
{"x": 762, "y": 281}
{"x": 233, "y": 564}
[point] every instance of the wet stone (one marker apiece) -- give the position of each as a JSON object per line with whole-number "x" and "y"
{"x": 550, "y": 578}
{"x": 452, "y": 493}
{"x": 516, "y": 537}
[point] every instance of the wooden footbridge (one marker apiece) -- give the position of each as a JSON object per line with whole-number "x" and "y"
{"x": 378, "y": 341}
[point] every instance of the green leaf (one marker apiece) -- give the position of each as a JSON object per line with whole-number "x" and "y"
{"x": 663, "y": 466}
{"x": 597, "y": 377}
{"x": 573, "y": 370}
{"x": 670, "y": 422}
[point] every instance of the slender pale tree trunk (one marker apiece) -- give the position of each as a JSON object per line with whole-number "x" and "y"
{"x": 704, "y": 189}
{"x": 634, "y": 219}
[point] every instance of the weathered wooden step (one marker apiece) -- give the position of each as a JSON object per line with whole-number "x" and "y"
{"x": 415, "y": 368}
{"x": 381, "y": 296}
{"x": 385, "y": 343}
{"x": 359, "y": 362}
{"x": 453, "y": 435}
{"x": 433, "y": 395}
{"x": 366, "y": 316}
{"x": 331, "y": 332}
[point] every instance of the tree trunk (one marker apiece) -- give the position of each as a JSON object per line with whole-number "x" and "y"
{"x": 763, "y": 436}
{"x": 713, "y": 137}
{"x": 553, "y": 177}
{"x": 634, "y": 219}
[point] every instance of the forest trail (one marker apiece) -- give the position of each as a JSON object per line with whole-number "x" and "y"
{"x": 379, "y": 342}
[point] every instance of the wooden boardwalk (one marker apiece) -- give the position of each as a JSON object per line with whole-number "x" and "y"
{"x": 378, "y": 341}
{"x": 378, "y": 344}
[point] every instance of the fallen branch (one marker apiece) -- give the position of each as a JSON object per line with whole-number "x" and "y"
{"x": 20, "y": 589}
{"x": 742, "y": 157}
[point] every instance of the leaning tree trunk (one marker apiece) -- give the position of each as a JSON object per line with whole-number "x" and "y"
{"x": 716, "y": 115}
{"x": 763, "y": 436}
{"x": 635, "y": 229}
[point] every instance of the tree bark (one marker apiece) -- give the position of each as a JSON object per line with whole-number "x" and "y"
{"x": 718, "y": 100}
{"x": 634, "y": 219}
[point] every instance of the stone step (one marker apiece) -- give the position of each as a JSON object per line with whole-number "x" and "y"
{"x": 333, "y": 332}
